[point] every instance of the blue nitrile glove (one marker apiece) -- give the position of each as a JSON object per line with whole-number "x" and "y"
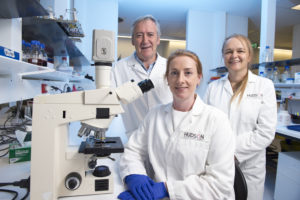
{"x": 139, "y": 186}
{"x": 159, "y": 190}
{"x": 126, "y": 195}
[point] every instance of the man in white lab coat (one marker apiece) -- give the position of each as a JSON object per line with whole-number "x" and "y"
{"x": 189, "y": 144}
{"x": 250, "y": 103}
{"x": 144, "y": 63}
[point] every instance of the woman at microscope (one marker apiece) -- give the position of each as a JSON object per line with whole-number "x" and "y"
{"x": 189, "y": 144}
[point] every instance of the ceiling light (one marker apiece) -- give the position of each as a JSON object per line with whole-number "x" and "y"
{"x": 297, "y": 7}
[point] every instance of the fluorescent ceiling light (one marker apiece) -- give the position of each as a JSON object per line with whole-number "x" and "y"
{"x": 297, "y": 7}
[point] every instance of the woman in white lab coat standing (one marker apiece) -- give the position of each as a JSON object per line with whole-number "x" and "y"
{"x": 250, "y": 103}
{"x": 189, "y": 144}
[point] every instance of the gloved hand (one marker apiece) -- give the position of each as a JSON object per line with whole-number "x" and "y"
{"x": 140, "y": 187}
{"x": 159, "y": 190}
{"x": 126, "y": 195}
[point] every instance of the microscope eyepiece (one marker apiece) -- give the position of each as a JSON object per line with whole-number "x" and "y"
{"x": 146, "y": 85}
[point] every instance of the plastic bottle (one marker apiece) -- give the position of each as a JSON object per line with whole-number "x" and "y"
{"x": 286, "y": 74}
{"x": 262, "y": 74}
{"x": 269, "y": 74}
{"x": 25, "y": 50}
{"x": 43, "y": 55}
{"x": 64, "y": 67}
{"x": 276, "y": 75}
{"x": 35, "y": 53}
{"x": 267, "y": 54}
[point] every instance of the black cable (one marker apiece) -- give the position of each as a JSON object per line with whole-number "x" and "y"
{"x": 23, "y": 183}
{"x": 11, "y": 192}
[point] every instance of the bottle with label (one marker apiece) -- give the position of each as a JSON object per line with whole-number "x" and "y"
{"x": 276, "y": 75}
{"x": 269, "y": 74}
{"x": 35, "y": 53}
{"x": 26, "y": 51}
{"x": 267, "y": 55}
{"x": 64, "y": 67}
{"x": 43, "y": 55}
{"x": 286, "y": 74}
{"x": 262, "y": 74}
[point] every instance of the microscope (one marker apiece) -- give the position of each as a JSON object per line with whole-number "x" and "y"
{"x": 58, "y": 169}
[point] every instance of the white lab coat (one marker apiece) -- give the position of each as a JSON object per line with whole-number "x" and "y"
{"x": 129, "y": 68}
{"x": 253, "y": 122}
{"x": 196, "y": 160}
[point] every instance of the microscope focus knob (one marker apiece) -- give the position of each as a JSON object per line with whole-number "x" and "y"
{"x": 101, "y": 171}
{"x": 92, "y": 164}
{"x": 73, "y": 181}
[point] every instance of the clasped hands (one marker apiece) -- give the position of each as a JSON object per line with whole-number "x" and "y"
{"x": 141, "y": 187}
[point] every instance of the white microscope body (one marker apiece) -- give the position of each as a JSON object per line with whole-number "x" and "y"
{"x": 58, "y": 169}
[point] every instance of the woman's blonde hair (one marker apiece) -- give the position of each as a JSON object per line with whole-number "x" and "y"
{"x": 247, "y": 44}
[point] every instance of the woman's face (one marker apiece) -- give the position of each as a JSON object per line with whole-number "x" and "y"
{"x": 183, "y": 78}
{"x": 236, "y": 55}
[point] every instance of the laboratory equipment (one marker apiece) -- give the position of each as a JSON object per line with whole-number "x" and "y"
{"x": 294, "y": 110}
{"x": 58, "y": 169}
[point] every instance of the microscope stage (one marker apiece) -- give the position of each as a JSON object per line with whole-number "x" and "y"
{"x": 110, "y": 145}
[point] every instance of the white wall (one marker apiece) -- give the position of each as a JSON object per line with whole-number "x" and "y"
{"x": 96, "y": 14}
{"x": 11, "y": 34}
{"x": 236, "y": 24}
{"x": 205, "y": 34}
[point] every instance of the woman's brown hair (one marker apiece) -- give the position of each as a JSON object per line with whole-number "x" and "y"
{"x": 182, "y": 52}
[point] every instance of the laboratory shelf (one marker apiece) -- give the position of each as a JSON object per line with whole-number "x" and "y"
{"x": 52, "y": 75}
{"x": 21, "y": 8}
{"x": 279, "y": 63}
{"x": 10, "y": 67}
{"x": 287, "y": 85}
{"x": 58, "y": 43}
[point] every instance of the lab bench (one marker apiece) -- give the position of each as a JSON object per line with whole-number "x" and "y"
{"x": 291, "y": 134}
{"x": 17, "y": 171}
{"x": 288, "y": 169}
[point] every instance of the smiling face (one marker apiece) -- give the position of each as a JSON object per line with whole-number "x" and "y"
{"x": 236, "y": 55}
{"x": 146, "y": 40}
{"x": 183, "y": 78}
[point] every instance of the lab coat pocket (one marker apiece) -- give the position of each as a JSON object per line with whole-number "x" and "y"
{"x": 191, "y": 154}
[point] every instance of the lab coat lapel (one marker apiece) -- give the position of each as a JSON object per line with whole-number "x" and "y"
{"x": 160, "y": 65}
{"x": 136, "y": 66}
{"x": 169, "y": 118}
{"x": 249, "y": 89}
{"x": 227, "y": 85}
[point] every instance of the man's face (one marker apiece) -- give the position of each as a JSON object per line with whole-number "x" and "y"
{"x": 146, "y": 40}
